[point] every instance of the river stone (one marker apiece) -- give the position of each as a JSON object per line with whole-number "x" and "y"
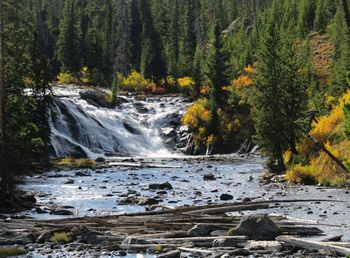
{"x": 100, "y": 160}
{"x": 200, "y": 230}
{"x": 69, "y": 181}
{"x": 147, "y": 201}
{"x": 256, "y": 227}
{"x": 209, "y": 177}
{"x": 44, "y": 237}
{"x": 171, "y": 254}
{"x": 224, "y": 242}
{"x": 61, "y": 212}
{"x": 226, "y": 197}
{"x": 162, "y": 186}
{"x": 82, "y": 173}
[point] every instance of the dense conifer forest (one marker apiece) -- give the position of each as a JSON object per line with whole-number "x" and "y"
{"x": 273, "y": 73}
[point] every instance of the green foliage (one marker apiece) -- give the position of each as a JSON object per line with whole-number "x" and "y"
{"x": 279, "y": 101}
{"x": 69, "y": 39}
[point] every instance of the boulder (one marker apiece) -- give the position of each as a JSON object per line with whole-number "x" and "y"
{"x": 163, "y": 186}
{"x": 209, "y": 177}
{"x": 200, "y": 230}
{"x": 100, "y": 160}
{"x": 82, "y": 173}
{"x": 44, "y": 237}
{"x": 147, "y": 201}
{"x": 226, "y": 197}
{"x": 256, "y": 227}
{"x": 97, "y": 97}
{"x": 169, "y": 132}
{"x": 224, "y": 242}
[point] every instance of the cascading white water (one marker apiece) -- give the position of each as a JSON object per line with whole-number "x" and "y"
{"x": 130, "y": 129}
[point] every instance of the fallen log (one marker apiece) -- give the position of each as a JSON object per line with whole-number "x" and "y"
{"x": 229, "y": 209}
{"x": 313, "y": 245}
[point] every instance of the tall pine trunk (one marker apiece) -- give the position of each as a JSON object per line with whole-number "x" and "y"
{"x": 5, "y": 178}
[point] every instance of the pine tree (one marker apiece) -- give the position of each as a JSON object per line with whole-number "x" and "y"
{"x": 218, "y": 74}
{"x": 268, "y": 116}
{"x": 174, "y": 57}
{"x": 341, "y": 54}
{"x": 69, "y": 39}
{"x": 135, "y": 35}
{"x": 188, "y": 47}
{"x": 306, "y": 16}
{"x": 123, "y": 43}
{"x": 321, "y": 16}
{"x": 152, "y": 61}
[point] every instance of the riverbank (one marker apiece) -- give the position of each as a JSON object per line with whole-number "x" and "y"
{"x": 128, "y": 186}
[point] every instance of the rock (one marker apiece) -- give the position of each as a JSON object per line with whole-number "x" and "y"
{"x": 28, "y": 197}
{"x": 131, "y": 129}
{"x": 209, "y": 177}
{"x": 162, "y": 186}
{"x": 169, "y": 132}
{"x": 226, "y": 197}
{"x": 147, "y": 201}
{"x": 100, "y": 160}
{"x": 256, "y": 227}
{"x": 69, "y": 181}
{"x": 40, "y": 211}
{"x": 224, "y": 242}
{"x": 61, "y": 212}
{"x": 129, "y": 200}
{"x": 171, "y": 254}
{"x": 82, "y": 173}
{"x": 44, "y": 237}
{"x": 96, "y": 97}
{"x": 200, "y": 230}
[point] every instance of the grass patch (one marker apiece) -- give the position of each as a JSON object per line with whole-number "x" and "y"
{"x": 61, "y": 237}
{"x": 302, "y": 175}
{"x": 12, "y": 251}
{"x": 71, "y": 162}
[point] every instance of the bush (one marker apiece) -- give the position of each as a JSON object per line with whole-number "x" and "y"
{"x": 136, "y": 83}
{"x": 61, "y": 237}
{"x": 71, "y": 162}
{"x": 67, "y": 78}
{"x": 187, "y": 86}
{"x": 12, "y": 251}
{"x": 302, "y": 175}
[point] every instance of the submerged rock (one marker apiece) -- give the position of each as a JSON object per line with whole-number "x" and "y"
{"x": 97, "y": 98}
{"x": 162, "y": 186}
{"x": 209, "y": 177}
{"x": 257, "y": 227}
{"x": 226, "y": 197}
{"x": 61, "y": 212}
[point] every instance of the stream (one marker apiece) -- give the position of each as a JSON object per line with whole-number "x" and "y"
{"x": 146, "y": 131}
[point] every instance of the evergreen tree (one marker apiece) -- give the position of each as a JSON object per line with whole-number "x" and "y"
{"x": 218, "y": 74}
{"x": 306, "y": 16}
{"x": 123, "y": 44}
{"x": 321, "y": 16}
{"x": 69, "y": 39}
{"x": 174, "y": 59}
{"x": 135, "y": 35}
{"x": 268, "y": 116}
{"x": 152, "y": 61}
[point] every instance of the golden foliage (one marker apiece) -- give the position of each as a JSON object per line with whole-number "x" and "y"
{"x": 242, "y": 81}
{"x": 12, "y": 251}
{"x": 60, "y": 237}
{"x": 250, "y": 69}
{"x": 197, "y": 115}
{"x": 67, "y": 78}
{"x": 302, "y": 175}
{"x": 187, "y": 85}
{"x": 71, "y": 162}
{"x": 136, "y": 83}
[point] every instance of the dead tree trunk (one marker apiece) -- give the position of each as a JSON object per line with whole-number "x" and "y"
{"x": 5, "y": 178}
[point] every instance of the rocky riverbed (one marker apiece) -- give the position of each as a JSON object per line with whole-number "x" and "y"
{"x": 138, "y": 185}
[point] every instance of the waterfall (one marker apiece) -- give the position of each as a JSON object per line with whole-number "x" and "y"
{"x": 133, "y": 128}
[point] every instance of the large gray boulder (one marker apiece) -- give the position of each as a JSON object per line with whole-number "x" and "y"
{"x": 256, "y": 227}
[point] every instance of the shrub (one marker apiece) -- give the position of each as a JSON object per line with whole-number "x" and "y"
{"x": 61, "y": 237}
{"x": 12, "y": 251}
{"x": 71, "y": 162}
{"x": 67, "y": 78}
{"x": 187, "y": 86}
{"x": 302, "y": 175}
{"x": 136, "y": 83}
{"x": 197, "y": 115}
